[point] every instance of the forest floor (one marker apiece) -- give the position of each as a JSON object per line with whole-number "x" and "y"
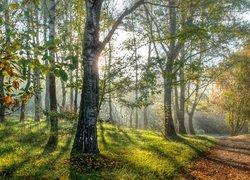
{"x": 125, "y": 153}
{"x": 229, "y": 159}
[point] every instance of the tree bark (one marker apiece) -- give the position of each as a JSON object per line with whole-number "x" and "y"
{"x": 7, "y": 36}
{"x": 190, "y": 123}
{"x": 76, "y": 88}
{"x": 168, "y": 74}
{"x": 64, "y": 94}
{"x": 181, "y": 117}
{"x": 37, "y": 81}
{"x": 23, "y": 103}
{"x": 45, "y": 29}
{"x": 53, "y": 138}
{"x": 168, "y": 120}
{"x": 86, "y": 136}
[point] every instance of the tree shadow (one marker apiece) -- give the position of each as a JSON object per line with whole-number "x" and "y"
{"x": 233, "y": 146}
{"x": 199, "y": 150}
{"x": 102, "y": 131}
{"x": 229, "y": 149}
{"x": 126, "y": 135}
{"x": 235, "y": 164}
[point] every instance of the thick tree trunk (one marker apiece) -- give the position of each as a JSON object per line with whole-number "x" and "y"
{"x": 190, "y": 123}
{"x": 168, "y": 120}
{"x": 53, "y": 139}
{"x": 168, "y": 74}
{"x": 86, "y": 135}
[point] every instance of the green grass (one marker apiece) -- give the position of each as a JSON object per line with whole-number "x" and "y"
{"x": 125, "y": 153}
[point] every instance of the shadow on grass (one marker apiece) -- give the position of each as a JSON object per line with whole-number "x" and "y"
{"x": 199, "y": 151}
{"x": 8, "y": 172}
{"x": 33, "y": 141}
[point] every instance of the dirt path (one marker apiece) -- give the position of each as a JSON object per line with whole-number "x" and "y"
{"x": 229, "y": 159}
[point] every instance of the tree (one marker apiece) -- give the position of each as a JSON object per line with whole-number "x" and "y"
{"x": 86, "y": 135}
{"x": 7, "y": 40}
{"x": 53, "y": 138}
{"x": 235, "y": 91}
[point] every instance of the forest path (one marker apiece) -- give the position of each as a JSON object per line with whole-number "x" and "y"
{"x": 229, "y": 159}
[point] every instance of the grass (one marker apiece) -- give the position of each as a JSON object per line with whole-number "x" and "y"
{"x": 125, "y": 153}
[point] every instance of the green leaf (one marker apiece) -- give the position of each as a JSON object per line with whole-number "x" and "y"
{"x": 62, "y": 74}
{"x": 74, "y": 63}
{"x": 1, "y": 7}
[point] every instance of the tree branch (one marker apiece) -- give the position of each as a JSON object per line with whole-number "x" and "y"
{"x": 161, "y": 5}
{"x": 119, "y": 21}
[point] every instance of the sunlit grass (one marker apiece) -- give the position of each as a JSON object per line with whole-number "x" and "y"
{"x": 135, "y": 153}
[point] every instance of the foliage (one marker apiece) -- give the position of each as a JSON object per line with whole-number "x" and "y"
{"x": 235, "y": 90}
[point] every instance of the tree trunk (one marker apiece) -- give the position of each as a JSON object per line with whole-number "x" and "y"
{"x": 145, "y": 113}
{"x": 109, "y": 83}
{"x": 182, "y": 129}
{"x": 176, "y": 108}
{"x": 245, "y": 129}
{"x": 38, "y": 98}
{"x": 37, "y": 81}
{"x": 71, "y": 91}
{"x": 23, "y": 104}
{"x": 64, "y": 96}
{"x": 53, "y": 139}
{"x": 168, "y": 75}
{"x": 64, "y": 91}
{"x": 76, "y": 89}
{"x": 2, "y": 98}
{"x": 7, "y": 36}
{"x": 190, "y": 123}
{"x": 46, "y": 100}
{"x": 86, "y": 136}
{"x": 168, "y": 120}
{"x": 131, "y": 119}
